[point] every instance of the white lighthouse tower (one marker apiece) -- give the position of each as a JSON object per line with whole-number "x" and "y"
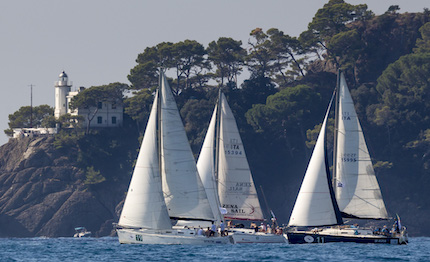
{"x": 62, "y": 89}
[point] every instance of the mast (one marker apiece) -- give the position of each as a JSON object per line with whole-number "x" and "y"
{"x": 217, "y": 137}
{"x": 31, "y": 105}
{"x": 336, "y": 127}
{"x": 331, "y": 186}
{"x": 159, "y": 135}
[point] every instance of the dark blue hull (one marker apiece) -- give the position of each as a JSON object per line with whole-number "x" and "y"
{"x": 308, "y": 238}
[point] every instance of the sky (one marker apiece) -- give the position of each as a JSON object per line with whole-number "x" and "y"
{"x": 96, "y": 42}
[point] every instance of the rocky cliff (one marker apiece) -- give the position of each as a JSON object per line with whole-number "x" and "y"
{"x": 42, "y": 193}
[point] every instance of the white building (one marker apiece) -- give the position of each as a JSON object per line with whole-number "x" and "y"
{"x": 108, "y": 114}
{"x": 32, "y": 132}
{"x": 62, "y": 89}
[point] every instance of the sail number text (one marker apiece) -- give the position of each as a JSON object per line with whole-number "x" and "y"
{"x": 233, "y": 148}
{"x": 346, "y": 116}
{"x": 139, "y": 238}
{"x": 239, "y": 186}
{"x": 349, "y": 157}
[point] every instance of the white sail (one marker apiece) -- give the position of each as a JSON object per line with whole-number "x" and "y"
{"x": 206, "y": 168}
{"x": 315, "y": 204}
{"x": 236, "y": 187}
{"x": 183, "y": 190}
{"x": 357, "y": 190}
{"x": 144, "y": 206}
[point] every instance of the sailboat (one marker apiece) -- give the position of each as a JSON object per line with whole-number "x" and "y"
{"x": 354, "y": 192}
{"x": 165, "y": 185}
{"x": 227, "y": 178}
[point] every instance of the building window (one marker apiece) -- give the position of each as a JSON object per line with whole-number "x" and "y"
{"x": 100, "y": 105}
{"x": 114, "y": 120}
{"x": 99, "y": 120}
{"x": 114, "y": 106}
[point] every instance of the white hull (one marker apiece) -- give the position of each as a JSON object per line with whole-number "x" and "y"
{"x": 167, "y": 237}
{"x": 82, "y": 234}
{"x": 250, "y": 236}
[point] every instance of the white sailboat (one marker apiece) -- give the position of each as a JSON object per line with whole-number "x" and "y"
{"x": 356, "y": 194}
{"x": 165, "y": 184}
{"x": 227, "y": 178}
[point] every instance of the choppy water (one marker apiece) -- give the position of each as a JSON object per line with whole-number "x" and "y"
{"x": 108, "y": 249}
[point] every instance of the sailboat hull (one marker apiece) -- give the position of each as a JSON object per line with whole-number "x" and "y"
{"x": 247, "y": 236}
{"x": 167, "y": 237}
{"x": 344, "y": 235}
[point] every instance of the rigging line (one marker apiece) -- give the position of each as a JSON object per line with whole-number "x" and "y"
{"x": 364, "y": 200}
{"x": 186, "y": 193}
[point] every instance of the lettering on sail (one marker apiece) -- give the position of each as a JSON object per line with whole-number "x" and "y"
{"x": 349, "y": 157}
{"x": 346, "y": 116}
{"x": 240, "y": 186}
{"x": 233, "y": 148}
{"x": 233, "y": 209}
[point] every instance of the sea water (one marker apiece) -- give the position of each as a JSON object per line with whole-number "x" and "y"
{"x": 109, "y": 249}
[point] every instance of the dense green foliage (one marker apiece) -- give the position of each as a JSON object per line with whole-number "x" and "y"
{"x": 30, "y": 117}
{"x": 279, "y": 109}
{"x": 26, "y": 116}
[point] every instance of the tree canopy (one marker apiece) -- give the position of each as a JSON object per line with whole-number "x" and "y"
{"x": 25, "y": 117}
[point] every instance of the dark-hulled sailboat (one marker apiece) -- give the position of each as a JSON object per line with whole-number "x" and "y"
{"x": 353, "y": 192}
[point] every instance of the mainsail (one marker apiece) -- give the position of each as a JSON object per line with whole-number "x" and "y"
{"x": 236, "y": 187}
{"x": 357, "y": 190}
{"x": 144, "y": 206}
{"x": 183, "y": 190}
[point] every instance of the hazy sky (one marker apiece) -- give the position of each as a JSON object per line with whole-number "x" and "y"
{"x": 97, "y": 41}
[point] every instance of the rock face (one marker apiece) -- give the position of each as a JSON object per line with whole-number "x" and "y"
{"x": 42, "y": 193}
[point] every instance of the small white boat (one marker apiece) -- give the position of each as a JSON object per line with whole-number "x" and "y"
{"x": 81, "y": 232}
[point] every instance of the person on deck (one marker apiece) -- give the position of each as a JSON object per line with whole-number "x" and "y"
{"x": 222, "y": 228}
{"x": 385, "y": 231}
{"x": 377, "y": 231}
{"x": 263, "y": 227}
{"x": 213, "y": 229}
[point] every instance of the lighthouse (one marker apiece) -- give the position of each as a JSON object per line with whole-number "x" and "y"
{"x": 62, "y": 89}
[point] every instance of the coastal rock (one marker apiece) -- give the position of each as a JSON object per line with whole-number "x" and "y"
{"x": 42, "y": 193}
